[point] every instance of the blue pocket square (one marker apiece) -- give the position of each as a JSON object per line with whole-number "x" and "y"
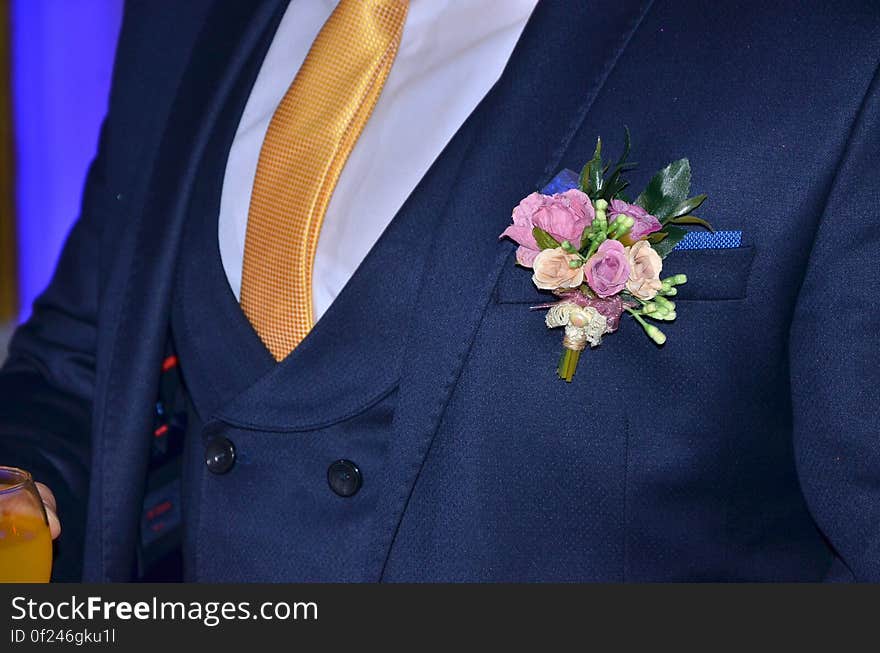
{"x": 710, "y": 240}
{"x": 565, "y": 180}
{"x": 568, "y": 179}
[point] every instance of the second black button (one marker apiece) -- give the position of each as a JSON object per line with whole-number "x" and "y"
{"x": 344, "y": 478}
{"x": 219, "y": 455}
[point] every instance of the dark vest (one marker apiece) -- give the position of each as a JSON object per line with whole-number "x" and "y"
{"x": 332, "y": 399}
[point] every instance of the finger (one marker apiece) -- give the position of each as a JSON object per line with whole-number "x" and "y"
{"x": 51, "y": 509}
{"x": 54, "y": 523}
{"x": 47, "y": 496}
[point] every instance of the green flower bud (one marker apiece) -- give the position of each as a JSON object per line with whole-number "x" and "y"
{"x": 622, "y": 224}
{"x": 675, "y": 280}
{"x": 601, "y": 205}
{"x": 655, "y": 334}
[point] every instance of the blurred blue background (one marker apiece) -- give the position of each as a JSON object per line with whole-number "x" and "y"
{"x": 61, "y": 62}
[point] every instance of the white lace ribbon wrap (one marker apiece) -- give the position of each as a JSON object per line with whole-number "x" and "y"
{"x": 582, "y": 324}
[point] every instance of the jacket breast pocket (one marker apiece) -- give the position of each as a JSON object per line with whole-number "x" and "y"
{"x": 713, "y": 275}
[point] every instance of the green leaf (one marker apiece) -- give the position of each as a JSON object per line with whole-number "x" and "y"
{"x": 585, "y": 237}
{"x": 626, "y": 166}
{"x": 667, "y": 189}
{"x": 673, "y": 237}
{"x": 615, "y": 183}
{"x": 592, "y": 174}
{"x": 656, "y": 237}
{"x": 627, "y": 143}
{"x": 688, "y": 206}
{"x": 544, "y": 240}
{"x": 612, "y": 192}
{"x": 691, "y": 219}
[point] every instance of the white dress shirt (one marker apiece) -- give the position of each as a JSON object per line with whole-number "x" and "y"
{"x": 451, "y": 53}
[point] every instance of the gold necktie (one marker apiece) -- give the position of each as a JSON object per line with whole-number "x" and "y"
{"x": 307, "y": 144}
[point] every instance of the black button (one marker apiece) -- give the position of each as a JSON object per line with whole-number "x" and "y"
{"x": 344, "y": 478}
{"x": 219, "y": 455}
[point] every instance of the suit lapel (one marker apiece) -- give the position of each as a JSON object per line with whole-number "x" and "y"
{"x": 523, "y": 128}
{"x": 148, "y": 252}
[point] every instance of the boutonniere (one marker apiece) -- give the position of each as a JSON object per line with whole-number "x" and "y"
{"x": 601, "y": 254}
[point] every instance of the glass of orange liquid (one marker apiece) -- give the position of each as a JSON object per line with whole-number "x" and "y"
{"x": 25, "y": 542}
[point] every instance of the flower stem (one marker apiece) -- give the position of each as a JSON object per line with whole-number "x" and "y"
{"x": 638, "y": 316}
{"x": 594, "y": 245}
{"x": 568, "y": 364}
{"x": 653, "y": 332}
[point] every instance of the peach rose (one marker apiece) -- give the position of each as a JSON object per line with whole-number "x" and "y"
{"x": 552, "y": 270}
{"x": 645, "y": 265}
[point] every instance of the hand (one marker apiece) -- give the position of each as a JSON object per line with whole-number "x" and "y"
{"x": 51, "y": 509}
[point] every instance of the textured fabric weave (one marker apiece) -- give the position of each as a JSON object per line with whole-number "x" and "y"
{"x": 308, "y": 141}
{"x": 710, "y": 240}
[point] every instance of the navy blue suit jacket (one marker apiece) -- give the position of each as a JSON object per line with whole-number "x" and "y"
{"x": 746, "y": 448}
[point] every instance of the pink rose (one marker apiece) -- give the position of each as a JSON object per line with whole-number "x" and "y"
{"x": 644, "y": 270}
{"x": 645, "y": 225}
{"x": 564, "y": 216}
{"x": 552, "y": 270}
{"x": 608, "y": 270}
